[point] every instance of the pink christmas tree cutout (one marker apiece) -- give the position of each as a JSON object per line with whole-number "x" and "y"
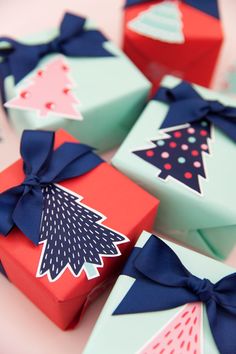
{"x": 180, "y": 335}
{"x": 49, "y": 92}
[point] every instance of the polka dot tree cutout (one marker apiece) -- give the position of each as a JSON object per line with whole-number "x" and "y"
{"x": 182, "y": 335}
{"x": 180, "y": 153}
{"x": 49, "y": 92}
{"x": 73, "y": 236}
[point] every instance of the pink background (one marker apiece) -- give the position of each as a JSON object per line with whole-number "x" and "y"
{"x": 23, "y": 328}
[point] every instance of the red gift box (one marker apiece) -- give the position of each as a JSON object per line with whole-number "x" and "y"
{"x": 127, "y": 209}
{"x": 193, "y": 58}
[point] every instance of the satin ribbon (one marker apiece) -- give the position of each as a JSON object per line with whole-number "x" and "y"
{"x": 23, "y": 205}
{"x": 210, "y": 7}
{"x": 162, "y": 282}
{"x": 186, "y": 106}
{"x": 73, "y": 41}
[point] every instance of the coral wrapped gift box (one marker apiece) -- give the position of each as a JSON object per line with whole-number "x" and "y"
{"x": 141, "y": 304}
{"x": 77, "y": 80}
{"x": 87, "y": 230}
{"x": 182, "y": 38}
{"x": 187, "y": 164}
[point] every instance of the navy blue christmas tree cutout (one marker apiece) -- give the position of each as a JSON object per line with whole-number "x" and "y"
{"x": 179, "y": 153}
{"x": 73, "y": 236}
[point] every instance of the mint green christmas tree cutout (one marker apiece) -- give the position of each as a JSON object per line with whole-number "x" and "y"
{"x": 160, "y": 22}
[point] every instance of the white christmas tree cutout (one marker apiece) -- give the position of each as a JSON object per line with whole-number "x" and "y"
{"x": 160, "y": 22}
{"x": 182, "y": 335}
{"x": 73, "y": 236}
{"x": 49, "y": 92}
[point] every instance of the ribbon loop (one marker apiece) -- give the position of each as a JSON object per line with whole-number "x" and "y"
{"x": 23, "y": 205}
{"x": 187, "y": 106}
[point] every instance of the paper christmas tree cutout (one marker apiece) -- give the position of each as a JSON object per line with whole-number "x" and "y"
{"x": 161, "y": 22}
{"x": 182, "y": 335}
{"x": 73, "y": 236}
{"x": 49, "y": 92}
{"x": 179, "y": 153}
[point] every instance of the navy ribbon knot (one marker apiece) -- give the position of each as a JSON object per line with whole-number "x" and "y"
{"x": 203, "y": 288}
{"x": 162, "y": 282}
{"x": 22, "y": 206}
{"x": 187, "y": 106}
{"x": 31, "y": 181}
{"x": 73, "y": 41}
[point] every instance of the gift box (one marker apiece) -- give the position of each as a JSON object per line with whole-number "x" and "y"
{"x": 68, "y": 224}
{"x": 168, "y": 300}
{"x": 181, "y": 150}
{"x": 182, "y": 38}
{"x": 72, "y": 78}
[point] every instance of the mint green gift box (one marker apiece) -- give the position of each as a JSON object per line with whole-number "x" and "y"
{"x": 111, "y": 90}
{"x": 205, "y": 222}
{"x": 130, "y": 333}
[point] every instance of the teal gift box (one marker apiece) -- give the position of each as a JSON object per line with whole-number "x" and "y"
{"x": 190, "y": 168}
{"x": 128, "y": 323}
{"x": 96, "y": 98}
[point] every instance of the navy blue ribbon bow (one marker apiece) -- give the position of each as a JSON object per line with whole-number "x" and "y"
{"x": 23, "y": 205}
{"x": 162, "y": 282}
{"x": 73, "y": 41}
{"x": 210, "y": 7}
{"x": 187, "y": 106}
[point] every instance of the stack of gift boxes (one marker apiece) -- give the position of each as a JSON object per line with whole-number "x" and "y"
{"x": 69, "y": 221}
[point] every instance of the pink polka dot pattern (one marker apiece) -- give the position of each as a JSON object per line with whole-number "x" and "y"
{"x": 173, "y": 144}
{"x": 203, "y": 133}
{"x": 50, "y": 105}
{"x": 204, "y": 147}
{"x": 188, "y": 175}
{"x": 184, "y": 147}
{"x": 165, "y": 155}
{"x": 25, "y": 94}
{"x": 194, "y": 153}
{"x": 197, "y": 164}
{"x": 149, "y": 153}
{"x": 177, "y": 134}
{"x": 167, "y": 166}
{"x": 191, "y": 130}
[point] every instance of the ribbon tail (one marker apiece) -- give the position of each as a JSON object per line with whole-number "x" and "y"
{"x": 28, "y": 212}
{"x": 228, "y": 126}
{"x": 8, "y": 202}
{"x": 223, "y": 324}
{"x": 148, "y": 296}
